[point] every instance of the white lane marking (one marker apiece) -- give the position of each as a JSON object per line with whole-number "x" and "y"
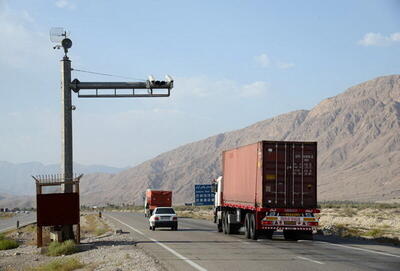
{"x": 363, "y": 249}
{"x": 308, "y": 259}
{"x": 193, "y": 264}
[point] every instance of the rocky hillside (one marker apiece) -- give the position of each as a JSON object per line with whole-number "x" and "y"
{"x": 358, "y": 133}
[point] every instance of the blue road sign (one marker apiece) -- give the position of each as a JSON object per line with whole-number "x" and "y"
{"x": 203, "y": 194}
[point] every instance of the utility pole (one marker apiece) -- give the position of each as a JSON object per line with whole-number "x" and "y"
{"x": 67, "y": 231}
{"x": 66, "y": 126}
{"x": 151, "y": 86}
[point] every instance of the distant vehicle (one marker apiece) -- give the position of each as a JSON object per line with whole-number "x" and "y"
{"x": 164, "y": 217}
{"x": 268, "y": 186}
{"x": 156, "y": 198}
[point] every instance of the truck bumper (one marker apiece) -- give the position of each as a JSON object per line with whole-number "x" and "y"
{"x": 293, "y": 228}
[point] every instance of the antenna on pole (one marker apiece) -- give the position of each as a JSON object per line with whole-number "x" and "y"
{"x": 59, "y": 35}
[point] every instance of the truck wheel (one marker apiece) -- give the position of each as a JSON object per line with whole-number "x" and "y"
{"x": 219, "y": 226}
{"x": 252, "y": 226}
{"x": 223, "y": 223}
{"x": 247, "y": 226}
{"x": 228, "y": 227}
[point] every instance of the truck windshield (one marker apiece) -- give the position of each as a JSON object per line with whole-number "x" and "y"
{"x": 165, "y": 211}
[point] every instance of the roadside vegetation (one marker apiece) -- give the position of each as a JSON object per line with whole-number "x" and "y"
{"x": 63, "y": 264}
{"x": 92, "y": 225}
{"x": 199, "y": 212}
{"x": 378, "y": 221}
{"x": 358, "y": 205}
{"x": 63, "y": 248}
{"x": 27, "y": 235}
{"x": 114, "y": 207}
{"x": 7, "y": 243}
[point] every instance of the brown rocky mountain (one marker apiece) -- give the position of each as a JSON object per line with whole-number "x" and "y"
{"x": 358, "y": 134}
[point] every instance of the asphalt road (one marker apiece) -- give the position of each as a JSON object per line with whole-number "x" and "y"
{"x": 11, "y": 223}
{"x": 198, "y": 246}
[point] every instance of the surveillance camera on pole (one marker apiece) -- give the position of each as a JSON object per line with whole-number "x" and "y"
{"x": 153, "y": 83}
{"x": 59, "y": 35}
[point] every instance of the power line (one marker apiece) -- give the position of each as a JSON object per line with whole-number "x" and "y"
{"x": 107, "y": 74}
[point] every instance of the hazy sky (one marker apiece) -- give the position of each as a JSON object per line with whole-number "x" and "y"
{"x": 234, "y": 63}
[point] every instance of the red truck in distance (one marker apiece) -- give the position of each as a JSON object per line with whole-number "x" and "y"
{"x": 268, "y": 186}
{"x": 156, "y": 198}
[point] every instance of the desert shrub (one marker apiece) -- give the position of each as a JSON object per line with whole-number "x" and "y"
{"x": 100, "y": 231}
{"x": 68, "y": 264}
{"x": 94, "y": 225}
{"x": 64, "y": 248}
{"x": 6, "y": 243}
{"x": 349, "y": 212}
{"x": 374, "y": 233}
{"x": 343, "y": 231}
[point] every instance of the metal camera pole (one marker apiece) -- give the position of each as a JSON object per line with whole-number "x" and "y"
{"x": 151, "y": 88}
{"x": 66, "y": 136}
{"x": 66, "y": 127}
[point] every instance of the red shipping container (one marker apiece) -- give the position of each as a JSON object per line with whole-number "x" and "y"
{"x": 271, "y": 174}
{"x": 158, "y": 198}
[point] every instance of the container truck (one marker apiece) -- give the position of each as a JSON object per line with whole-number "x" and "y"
{"x": 268, "y": 186}
{"x": 156, "y": 198}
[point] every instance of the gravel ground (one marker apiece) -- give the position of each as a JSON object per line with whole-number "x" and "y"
{"x": 109, "y": 252}
{"x": 387, "y": 221}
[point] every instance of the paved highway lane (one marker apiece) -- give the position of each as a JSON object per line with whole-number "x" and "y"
{"x": 11, "y": 223}
{"x": 197, "y": 246}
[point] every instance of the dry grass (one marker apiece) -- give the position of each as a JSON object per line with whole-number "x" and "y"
{"x": 27, "y": 235}
{"x": 7, "y": 243}
{"x": 65, "y": 248}
{"x": 92, "y": 225}
{"x": 198, "y": 212}
{"x": 65, "y": 264}
{"x": 362, "y": 221}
